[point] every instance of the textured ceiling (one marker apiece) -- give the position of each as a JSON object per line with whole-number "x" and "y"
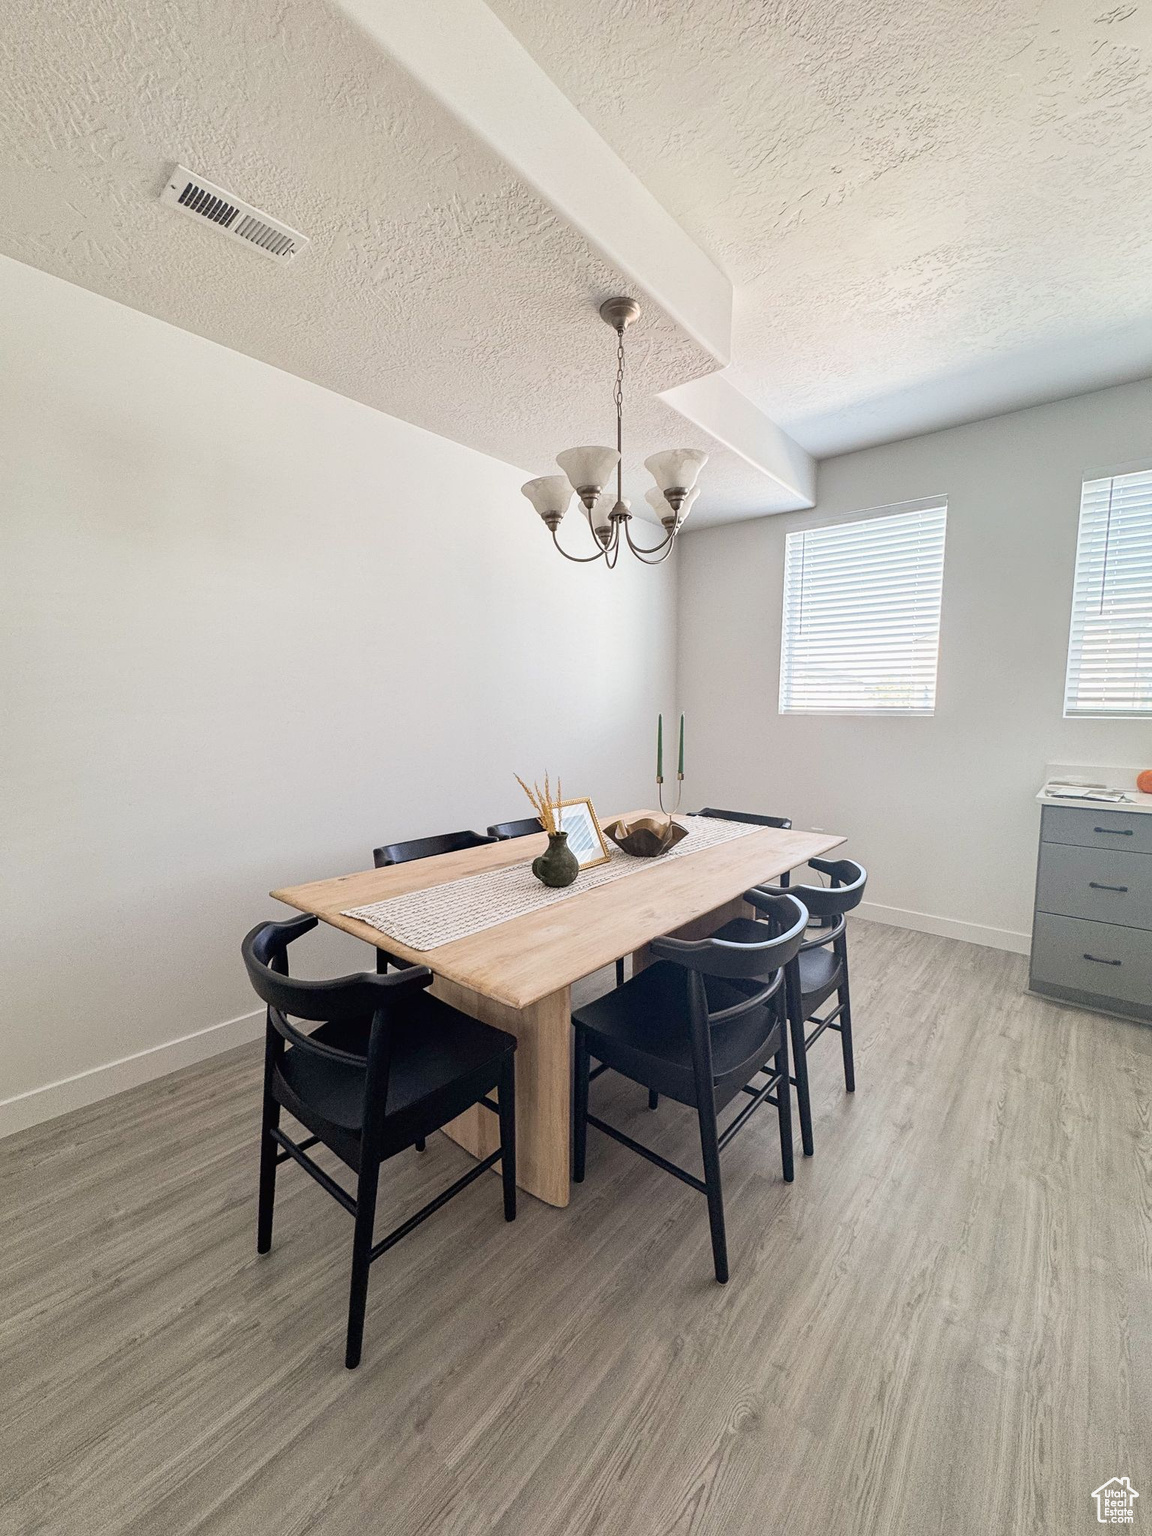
{"x": 931, "y": 212}
{"x": 437, "y": 288}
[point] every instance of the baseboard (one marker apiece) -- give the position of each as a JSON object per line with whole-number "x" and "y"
{"x": 39, "y": 1104}
{"x": 947, "y": 927}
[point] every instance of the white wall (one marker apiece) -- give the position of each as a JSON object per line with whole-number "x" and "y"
{"x": 251, "y": 629}
{"x": 940, "y": 809}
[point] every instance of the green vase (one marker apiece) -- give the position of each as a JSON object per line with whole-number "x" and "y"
{"x": 557, "y": 865}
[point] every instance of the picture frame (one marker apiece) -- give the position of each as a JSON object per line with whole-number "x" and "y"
{"x": 578, "y": 818}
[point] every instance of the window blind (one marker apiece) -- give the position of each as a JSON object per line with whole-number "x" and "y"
{"x": 1110, "y": 646}
{"x": 861, "y": 622}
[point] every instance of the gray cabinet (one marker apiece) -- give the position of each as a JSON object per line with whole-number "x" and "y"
{"x": 1092, "y": 932}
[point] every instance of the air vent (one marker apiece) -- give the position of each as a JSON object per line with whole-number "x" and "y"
{"x": 209, "y": 204}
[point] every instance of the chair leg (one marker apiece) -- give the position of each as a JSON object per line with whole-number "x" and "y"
{"x": 653, "y": 1099}
{"x": 580, "y": 1108}
{"x": 620, "y": 972}
{"x": 800, "y": 1070}
{"x": 420, "y": 1143}
{"x": 844, "y": 996}
{"x": 710, "y": 1151}
{"x": 784, "y": 1108}
{"x": 361, "y": 1258}
{"x": 381, "y": 963}
{"x": 269, "y": 1121}
{"x": 268, "y": 1149}
{"x": 508, "y": 1135}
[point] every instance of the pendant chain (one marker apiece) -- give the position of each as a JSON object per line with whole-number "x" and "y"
{"x": 618, "y": 392}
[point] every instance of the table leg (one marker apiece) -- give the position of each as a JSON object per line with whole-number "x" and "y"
{"x": 543, "y": 1033}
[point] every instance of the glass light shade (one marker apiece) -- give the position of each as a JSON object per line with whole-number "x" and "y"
{"x": 549, "y": 494}
{"x": 659, "y": 503}
{"x": 678, "y": 467}
{"x": 601, "y": 514}
{"x": 588, "y": 466}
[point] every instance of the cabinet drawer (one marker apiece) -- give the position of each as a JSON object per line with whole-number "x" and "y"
{"x": 1129, "y": 830}
{"x": 1102, "y": 959}
{"x": 1096, "y": 883}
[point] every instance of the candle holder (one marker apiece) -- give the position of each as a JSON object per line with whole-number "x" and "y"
{"x": 660, "y": 766}
{"x": 679, "y": 793}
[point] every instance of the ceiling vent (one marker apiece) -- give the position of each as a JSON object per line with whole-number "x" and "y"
{"x": 209, "y": 204}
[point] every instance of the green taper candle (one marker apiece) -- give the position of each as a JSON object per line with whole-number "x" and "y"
{"x": 680, "y": 765}
{"x": 659, "y": 746}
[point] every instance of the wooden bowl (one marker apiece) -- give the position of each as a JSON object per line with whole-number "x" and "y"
{"x": 646, "y": 837}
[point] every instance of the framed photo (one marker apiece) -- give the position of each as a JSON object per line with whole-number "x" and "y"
{"x": 578, "y": 819}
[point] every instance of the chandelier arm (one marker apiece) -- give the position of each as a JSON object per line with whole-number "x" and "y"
{"x": 577, "y": 559}
{"x": 639, "y": 551}
{"x": 659, "y": 560}
{"x": 612, "y": 549}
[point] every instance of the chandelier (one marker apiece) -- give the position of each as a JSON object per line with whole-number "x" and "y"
{"x": 588, "y": 470}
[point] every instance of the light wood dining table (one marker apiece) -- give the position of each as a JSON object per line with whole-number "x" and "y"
{"x": 518, "y": 974}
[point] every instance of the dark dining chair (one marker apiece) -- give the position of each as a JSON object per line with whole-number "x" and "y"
{"x": 420, "y": 848}
{"x": 427, "y": 847}
{"x": 747, "y": 816}
{"x": 697, "y": 1026}
{"x": 820, "y": 968}
{"x": 388, "y": 1065}
{"x": 504, "y": 831}
{"x": 784, "y": 822}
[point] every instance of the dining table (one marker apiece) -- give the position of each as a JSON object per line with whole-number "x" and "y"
{"x": 518, "y": 974}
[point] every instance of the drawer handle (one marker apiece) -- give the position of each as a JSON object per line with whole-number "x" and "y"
{"x": 1095, "y": 885}
{"x": 1098, "y": 960}
{"x": 1114, "y": 831}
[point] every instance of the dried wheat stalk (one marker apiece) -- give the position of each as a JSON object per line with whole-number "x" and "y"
{"x": 543, "y": 802}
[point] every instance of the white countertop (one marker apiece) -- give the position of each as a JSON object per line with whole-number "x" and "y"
{"x": 1114, "y": 778}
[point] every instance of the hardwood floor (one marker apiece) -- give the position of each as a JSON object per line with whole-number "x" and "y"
{"x": 944, "y": 1325}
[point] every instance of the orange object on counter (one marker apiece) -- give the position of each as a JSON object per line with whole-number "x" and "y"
{"x": 1144, "y": 782}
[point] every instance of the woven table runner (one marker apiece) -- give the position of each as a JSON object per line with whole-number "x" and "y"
{"x": 426, "y": 919}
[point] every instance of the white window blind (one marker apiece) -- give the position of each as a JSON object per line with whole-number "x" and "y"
{"x": 1110, "y": 647}
{"x": 861, "y": 622}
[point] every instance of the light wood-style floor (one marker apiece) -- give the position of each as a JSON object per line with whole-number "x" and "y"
{"x": 944, "y": 1324}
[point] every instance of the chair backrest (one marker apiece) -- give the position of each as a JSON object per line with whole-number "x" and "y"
{"x": 750, "y": 962}
{"x": 752, "y": 816}
{"x": 427, "y": 847}
{"x": 759, "y": 1012}
{"x": 265, "y": 952}
{"x": 503, "y": 830}
{"x": 845, "y": 891}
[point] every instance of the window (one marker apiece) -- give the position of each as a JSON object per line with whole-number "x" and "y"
{"x": 1110, "y": 647}
{"x": 862, "y": 615}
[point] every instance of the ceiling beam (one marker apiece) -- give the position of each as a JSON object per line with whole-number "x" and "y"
{"x": 465, "y": 57}
{"x": 720, "y": 409}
